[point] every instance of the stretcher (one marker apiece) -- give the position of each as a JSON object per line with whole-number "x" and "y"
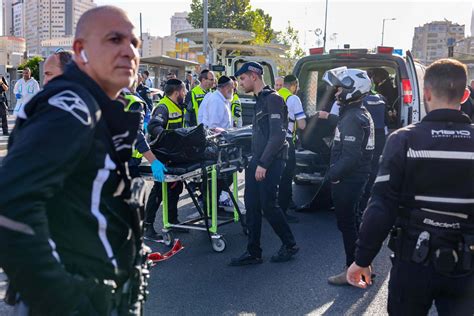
{"x": 230, "y": 159}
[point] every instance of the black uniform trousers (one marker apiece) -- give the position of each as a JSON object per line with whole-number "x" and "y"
{"x": 413, "y": 288}
{"x": 3, "y": 117}
{"x": 285, "y": 192}
{"x": 155, "y": 198}
{"x": 262, "y": 197}
{"x": 374, "y": 168}
{"x": 346, "y": 196}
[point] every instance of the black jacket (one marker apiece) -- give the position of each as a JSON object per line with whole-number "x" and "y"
{"x": 353, "y": 143}
{"x": 424, "y": 167}
{"x": 270, "y": 123}
{"x": 63, "y": 215}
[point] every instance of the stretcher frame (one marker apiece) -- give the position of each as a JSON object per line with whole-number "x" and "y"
{"x": 208, "y": 174}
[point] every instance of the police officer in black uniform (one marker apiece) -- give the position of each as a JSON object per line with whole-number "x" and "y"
{"x": 262, "y": 176}
{"x": 425, "y": 192}
{"x": 351, "y": 155}
{"x": 375, "y": 103}
{"x": 71, "y": 242}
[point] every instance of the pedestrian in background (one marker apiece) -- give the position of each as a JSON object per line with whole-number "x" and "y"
{"x": 55, "y": 64}
{"x": 24, "y": 90}
{"x": 4, "y": 105}
{"x": 278, "y": 83}
{"x": 147, "y": 80}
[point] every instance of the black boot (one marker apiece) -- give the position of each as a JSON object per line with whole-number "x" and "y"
{"x": 290, "y": 218}
{"x": 245, "y": 259}
{"x": 150, "y": 233}
{"x": 285, "y": 253}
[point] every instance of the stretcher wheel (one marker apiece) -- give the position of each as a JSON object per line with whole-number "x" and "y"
{"x": 167, "y": 238}
{"x": 218, "y": 244}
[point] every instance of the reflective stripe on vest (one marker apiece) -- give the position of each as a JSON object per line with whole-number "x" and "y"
{"x": 132, "y": 99}
{"x": 197, "y": 95}
{"x": 285, "y": 94}
{"x": 175, "y": 113}
{"x": 236, "y": 108}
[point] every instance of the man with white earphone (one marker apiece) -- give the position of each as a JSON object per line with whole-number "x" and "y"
{"x": 67, "y": 200}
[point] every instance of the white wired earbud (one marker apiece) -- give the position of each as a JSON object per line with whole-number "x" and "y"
{"x": 84, "y": 57}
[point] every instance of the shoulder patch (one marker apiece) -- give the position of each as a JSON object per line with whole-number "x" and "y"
{"x": 70, "y": 102}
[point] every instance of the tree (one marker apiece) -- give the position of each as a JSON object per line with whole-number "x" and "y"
{"x": 235, "y": 15}
{"x": 290, "y": 38}
{"x": 33, "y": 64}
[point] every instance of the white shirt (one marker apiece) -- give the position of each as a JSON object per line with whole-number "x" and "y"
{"x": 215, "y": 111}
{"x": 295, "y": 113}
{"x": 149, "y": 82}
{"x": 27, "y": 89}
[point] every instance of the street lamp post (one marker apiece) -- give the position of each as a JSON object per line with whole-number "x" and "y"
{"x": 383, "y": 26}
{"x": 205, "y": 42}
{"x": 325, "y": 26}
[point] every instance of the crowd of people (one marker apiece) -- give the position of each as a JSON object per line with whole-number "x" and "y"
{"x": 72, "y": 206}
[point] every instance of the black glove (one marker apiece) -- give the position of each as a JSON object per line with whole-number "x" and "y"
{"x": 98, "y": 298}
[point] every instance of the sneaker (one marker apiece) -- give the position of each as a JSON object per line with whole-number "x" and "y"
{"x": 242, "y": 208}
{"x": 151, "y": 234}
{"x": 291, "y": 219}
{"x": 245, "y": 259}
{"x": 285, "y": 253}
{"x": 227, "y": 205}
{"x": 339, "y": 279}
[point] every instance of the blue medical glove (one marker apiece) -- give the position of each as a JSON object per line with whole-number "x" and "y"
{"x": 158, "y": 170}
{"x": 18, "y": 96}
{"x": 145, "y": 125}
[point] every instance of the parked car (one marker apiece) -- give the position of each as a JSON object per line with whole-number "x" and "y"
{"x": 399, "y": 79}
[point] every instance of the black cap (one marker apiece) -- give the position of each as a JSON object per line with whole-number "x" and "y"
{"x": 290, "y": 79}
{"x": 175, "y": 82}
{"x": 223, "y": 80}
{"x": 250, "y": 66}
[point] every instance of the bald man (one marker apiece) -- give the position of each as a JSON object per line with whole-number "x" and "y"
{"x": 55, "y": 64}
{"x": 69, "y": 228}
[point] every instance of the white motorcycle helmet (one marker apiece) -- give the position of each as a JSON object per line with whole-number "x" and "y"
{"x": 355, "y": 83}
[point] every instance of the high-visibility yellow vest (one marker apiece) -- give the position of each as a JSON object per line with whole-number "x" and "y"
{"x": 236, "y": 109}
{"x": 175, "y": 113}
{"x": 132, "y": 99}
{"x": 197, "y": 95}
{"x": 285, "y": 94}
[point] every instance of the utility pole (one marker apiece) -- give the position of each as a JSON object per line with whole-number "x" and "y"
{"x": 205, "y": 40}
{"x": 325, "y": 26}
{"x": 141, "y": 35}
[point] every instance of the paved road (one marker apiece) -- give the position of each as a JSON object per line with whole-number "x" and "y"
{"x": 198, "y": 281}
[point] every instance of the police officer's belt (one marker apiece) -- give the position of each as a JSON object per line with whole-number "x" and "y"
{"x": 441, "y": 239}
